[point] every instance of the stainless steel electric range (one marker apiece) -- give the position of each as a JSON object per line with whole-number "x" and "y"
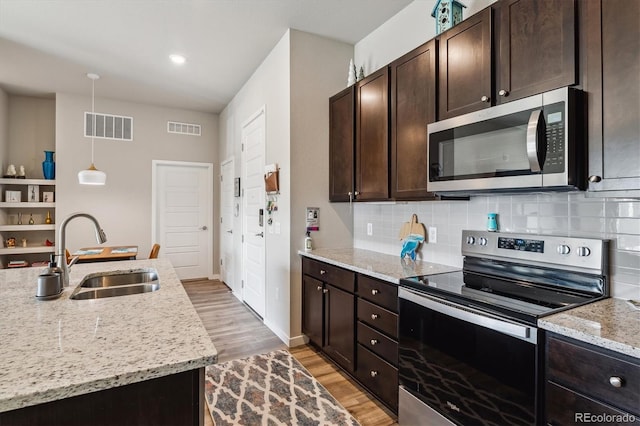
{"x": 469, "y": 352}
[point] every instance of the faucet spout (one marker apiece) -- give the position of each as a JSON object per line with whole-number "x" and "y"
{"x": 61, "y": 258}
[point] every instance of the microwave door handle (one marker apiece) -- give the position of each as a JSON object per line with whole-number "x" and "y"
{"x": 536, "y": 140}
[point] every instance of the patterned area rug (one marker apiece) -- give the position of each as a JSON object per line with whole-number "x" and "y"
{"x": 270, "y": 389}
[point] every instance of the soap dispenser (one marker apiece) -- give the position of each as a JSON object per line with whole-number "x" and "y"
{"x": 308, "y": 244}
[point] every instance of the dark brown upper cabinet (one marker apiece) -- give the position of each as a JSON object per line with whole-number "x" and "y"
{"x": 413, "y": 106}
{"x": 341, "y": 145}
{"x": 372, "y": 137}
{"x": 465, "y": 73}
{"x": 536, "y": 42}
{"x": 612, "y": 83}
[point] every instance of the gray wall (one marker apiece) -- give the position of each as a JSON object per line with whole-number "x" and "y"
{"x": 123, "y": 205}
{"x": 4, "y": 130}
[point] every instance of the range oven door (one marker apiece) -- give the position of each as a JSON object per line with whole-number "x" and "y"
{"x": 470, "y": 367}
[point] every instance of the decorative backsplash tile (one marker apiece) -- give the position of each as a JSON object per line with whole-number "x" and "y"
{"x": 571, "y": 214}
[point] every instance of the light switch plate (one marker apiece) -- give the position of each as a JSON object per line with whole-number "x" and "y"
{"x": 433, "y": 234}
{"x": 369, "y": 229}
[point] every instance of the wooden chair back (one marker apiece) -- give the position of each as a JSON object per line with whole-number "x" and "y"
{"x": 154, "y": 251}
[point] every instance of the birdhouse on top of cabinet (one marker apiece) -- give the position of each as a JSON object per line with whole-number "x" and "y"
{"x": 447, "y": 13}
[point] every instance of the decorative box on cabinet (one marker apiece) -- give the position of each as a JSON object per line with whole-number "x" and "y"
{"x": 583, "y": 379}
{"x": 341, "y": 145}
{"x": 377, "y": 335}
{"x": 36, "y": 234}
{"x": 328, "y": 310}
{"x": 413, "y": 106}
{"x": 612, "y": 81}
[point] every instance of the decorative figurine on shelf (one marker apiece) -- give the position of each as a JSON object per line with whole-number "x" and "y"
{"x": 24, "y": 242}
{"x": 11, "y": 171}
{"x": 19, "y": 218}
{"x": 351, "y": 76}
{"x": 447, "y": 13}
{"x": 361, "y": 74}
{"x": 48, "y": 220}
{"x": 31, "y": 221}
{"x": 21, "y": 173}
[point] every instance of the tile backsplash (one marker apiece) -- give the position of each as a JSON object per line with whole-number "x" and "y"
{"x": 570, "y": 214}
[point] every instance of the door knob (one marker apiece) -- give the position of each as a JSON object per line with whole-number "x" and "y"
{"x": 260, "y": 234}
{"x": 203, "y": 228}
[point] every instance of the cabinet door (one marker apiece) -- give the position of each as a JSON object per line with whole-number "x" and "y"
{"x": 413, "y": 106}
{"x": 340, "y": 326}
{"x": 312, "y": 298}
{"x": 613, "y": 85}
{"x": 464, "y": 57}
{"x": 537, "y": 47}
{"x": 341, "y": 145}
{"x": 372, "y": 137}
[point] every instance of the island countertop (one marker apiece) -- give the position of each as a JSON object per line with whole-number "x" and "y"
{"x": 55, "y": 349}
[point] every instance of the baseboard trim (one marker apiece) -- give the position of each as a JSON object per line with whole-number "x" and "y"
{"x": 277, "y": 331}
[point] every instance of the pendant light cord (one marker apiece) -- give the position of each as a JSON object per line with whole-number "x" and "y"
{"x": 93, "y": 114}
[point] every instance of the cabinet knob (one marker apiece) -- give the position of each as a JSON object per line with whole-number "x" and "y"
{"x": 356, "y": 193}
{"x": 349, "y": 193}
{"x": 322, "y": 272}
{"x": 374, "y": 292}
{"x": 594, "y": 179}
{"x": 325, "y": 291}
{"x": 503, "y": 92}
{"x": 484, "y": 99}
{"x": 374, "y": 342}
{"x": 319, "y": 288}
{"x": 374, "y": 373}
{"x": 374, "y": 316}
{"x": 615, "y": 381}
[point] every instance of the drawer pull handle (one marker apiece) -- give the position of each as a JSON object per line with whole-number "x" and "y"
{"x": 374, "y": 373}
{"x": 374, "y": 342}
{"x": 615, "y": 381}
{"x": 322, "y": 272}
{"x": 319, "y": 288}
{"x": 374, "y": 316}
{"x": 374, "y": 292}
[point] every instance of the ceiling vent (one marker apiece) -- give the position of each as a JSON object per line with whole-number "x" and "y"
{"x": 109, "y": 126}
{"x": 184, "y": 128}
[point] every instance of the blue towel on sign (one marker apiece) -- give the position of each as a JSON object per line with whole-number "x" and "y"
{"x": 410, "y": 245}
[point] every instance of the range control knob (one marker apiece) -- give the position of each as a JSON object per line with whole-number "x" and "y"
{"x": 471, "y": 240}
{"x": 564, "y": 249}
{"x": 584, "y": 251}
{"x": 482, "y": 241}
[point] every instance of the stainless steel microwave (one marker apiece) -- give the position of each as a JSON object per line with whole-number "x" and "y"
{"x": 535, "y": 143}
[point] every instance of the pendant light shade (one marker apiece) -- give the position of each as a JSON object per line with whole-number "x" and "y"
{"x": 92, "y": 176}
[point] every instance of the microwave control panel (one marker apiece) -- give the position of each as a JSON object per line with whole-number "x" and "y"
{"x": 555, "y": 123}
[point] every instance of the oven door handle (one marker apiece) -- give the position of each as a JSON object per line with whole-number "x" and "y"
{"x": 470, "y": 315}
{"x": 536, "y": 140}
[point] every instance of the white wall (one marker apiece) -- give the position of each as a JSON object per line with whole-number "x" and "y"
{"x": 4, "y": 130}
{"x": 123, "y": 205}
{"x": 294, "y": 84}
{"x": 318, "y": 70}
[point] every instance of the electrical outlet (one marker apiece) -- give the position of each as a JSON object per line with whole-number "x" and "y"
{"x": 433, "y": 234}
{"x": 369, "y": 229}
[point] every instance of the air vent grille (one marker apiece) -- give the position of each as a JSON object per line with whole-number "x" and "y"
{"x": 183, "y": 128}
{"x": 109, "y": 126}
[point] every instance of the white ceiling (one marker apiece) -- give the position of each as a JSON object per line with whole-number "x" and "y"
{"x": 48, "y": 46}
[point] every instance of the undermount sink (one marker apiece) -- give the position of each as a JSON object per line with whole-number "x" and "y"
{"x": 116, "y": 283}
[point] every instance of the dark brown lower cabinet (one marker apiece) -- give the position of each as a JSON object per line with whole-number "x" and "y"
{"x": 584, "y": 380}
{"x": 339, "y": 326}
{"x": 177, "y": 399}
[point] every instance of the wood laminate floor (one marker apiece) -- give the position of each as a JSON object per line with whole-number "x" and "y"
{"x": 237, "y": 332}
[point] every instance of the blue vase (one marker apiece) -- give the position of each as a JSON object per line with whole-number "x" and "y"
{"x": 49, "y": 166}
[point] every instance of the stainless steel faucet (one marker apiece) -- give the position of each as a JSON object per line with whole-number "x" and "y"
{"x": 61, "y": 256}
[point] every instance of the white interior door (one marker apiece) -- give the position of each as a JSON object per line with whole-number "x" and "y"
{"x": 183, "y": 216}
{"x": 253, "y": 255}
{"x": 227, "y": 201}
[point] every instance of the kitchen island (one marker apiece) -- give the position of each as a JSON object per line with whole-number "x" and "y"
{"x": 141, "y": 355}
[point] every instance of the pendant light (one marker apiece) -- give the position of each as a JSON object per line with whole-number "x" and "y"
{"x": 92, "y": 176}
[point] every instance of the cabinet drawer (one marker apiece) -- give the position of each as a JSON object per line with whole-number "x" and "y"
{"x": 565, "y": 407}
{"x": 378, "y": 292}
{"x": 378, "y": 318}
{"x": 380, "y": 377}
{"x": 592, "y": 372}
{"x": 337, "y": 277}
{"x": 378, "y": 343}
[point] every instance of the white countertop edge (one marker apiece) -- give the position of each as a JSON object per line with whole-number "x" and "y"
{"x": 590, "y": 338}
{"x": 354, "y": 268}
{"x": 18, "y": 401}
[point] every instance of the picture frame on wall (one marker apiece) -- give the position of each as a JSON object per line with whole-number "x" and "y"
{"x": 33, "y": 193}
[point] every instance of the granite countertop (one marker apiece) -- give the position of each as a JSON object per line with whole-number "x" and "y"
{"x": 378, "y": 265}
{"x": 60, "y": 348}
{"x": 610, "y": 323}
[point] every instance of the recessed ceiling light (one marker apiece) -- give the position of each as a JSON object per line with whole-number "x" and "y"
{"x": 178, "y": 59}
